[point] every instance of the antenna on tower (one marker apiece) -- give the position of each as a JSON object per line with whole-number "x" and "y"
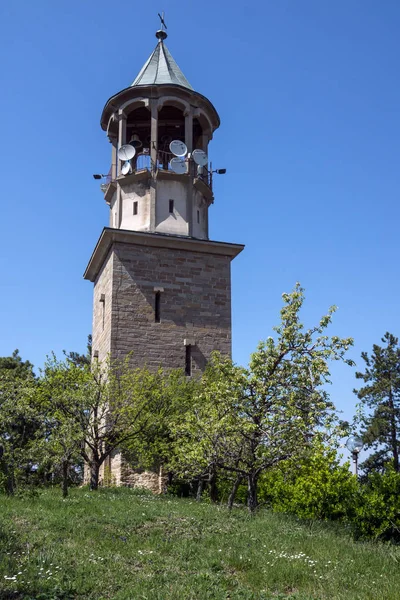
{"x": 178, "y": 165}
{"x": 200, "y": 157}
{"x": 126, "y": 168}
{"x": 178, "y": 148}
{"x": 126, "y": 152}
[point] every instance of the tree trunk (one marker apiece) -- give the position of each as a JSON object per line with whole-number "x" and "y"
{"x": 10, "y": 484}
{"x": 252, "y": 491}
{"x": 10, "y": 488}
{"x": 94, "y": 475}
{"x": 64, "y": 485}
{"x": 234, "y": 489}
{"x": 199, "y": 490}
{"x": 213, "y": 486}
{"x": 393, "y": 433}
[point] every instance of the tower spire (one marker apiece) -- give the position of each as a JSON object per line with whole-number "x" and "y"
{"x": 161, "y": 68}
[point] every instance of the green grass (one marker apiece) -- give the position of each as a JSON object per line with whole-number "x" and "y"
{"x": 123, "y": 545}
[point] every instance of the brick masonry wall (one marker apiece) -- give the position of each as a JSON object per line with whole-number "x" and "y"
{"x": 102, "y": 310}
{"x": 195, "y": 305}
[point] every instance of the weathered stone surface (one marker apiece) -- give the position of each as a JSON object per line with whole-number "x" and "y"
{"x": 116, "y": 471}
{"x": 151, "y": 480}
{"x": 195, "y": 304}
{"x": 102, "y": 310}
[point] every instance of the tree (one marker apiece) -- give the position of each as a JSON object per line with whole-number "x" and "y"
{"x": 18, "y": 423}
{"x": 380, "y": 404}
{"x": 81, "y": 360}
{"x": 155, "y": 446}
{"x": 100, "y": 407}
{"x": 246, "y": 421}
{"x": 57, "y": 445}
{"x": 16, "y": 366}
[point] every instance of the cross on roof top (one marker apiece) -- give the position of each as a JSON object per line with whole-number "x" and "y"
{"x": 163, "y": 24}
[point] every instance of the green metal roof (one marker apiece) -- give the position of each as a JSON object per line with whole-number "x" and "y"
{"x": 161, "y": 68}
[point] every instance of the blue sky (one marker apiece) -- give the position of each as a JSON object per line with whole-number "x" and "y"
{"x": 309, "y": 95}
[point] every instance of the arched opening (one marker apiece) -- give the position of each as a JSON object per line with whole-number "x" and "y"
{"x": 201, "y": 137}
{"x": 138, "y": 134}
{"x": 171, "y": 126}
{"x": 198, "y": 141}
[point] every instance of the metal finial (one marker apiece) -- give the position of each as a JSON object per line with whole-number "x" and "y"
{"x": 161, "y": 33}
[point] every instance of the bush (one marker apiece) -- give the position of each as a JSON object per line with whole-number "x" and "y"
{"x": 377, "y": 509}
{"x": 318, "y": 488}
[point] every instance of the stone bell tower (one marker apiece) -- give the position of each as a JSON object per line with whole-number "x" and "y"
{"x": 162, "y": 289}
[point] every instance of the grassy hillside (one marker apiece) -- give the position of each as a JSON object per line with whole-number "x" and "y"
{"x": 123, "y": 545}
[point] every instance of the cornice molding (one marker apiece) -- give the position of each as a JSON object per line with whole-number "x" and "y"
{"x": 111, "y": 236}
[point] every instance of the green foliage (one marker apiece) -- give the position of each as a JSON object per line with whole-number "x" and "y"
{"x": 319, "y": 487}
{"x": 379, "y": 411}
{"x": 81, "y": 360}
{"x": 18, "y": 422}
{"x": 245, "y": 421}
{"x": 156, "y": 444}
{"x": 377, "y": 509}
{"x": 16, "y": 367}
{"x": 97, "y": 409}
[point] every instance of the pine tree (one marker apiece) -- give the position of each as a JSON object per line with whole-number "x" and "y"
{"x": 380, "y": 404}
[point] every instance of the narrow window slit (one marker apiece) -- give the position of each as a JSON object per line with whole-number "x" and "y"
{"x": 198, "y": 216}
{"x": 188, "y": 361}
{"x": 157, "y": 306}
{"x": 103, "y": 302}
{"x": 135, "y": 208}
{"x": 171, "y": 206}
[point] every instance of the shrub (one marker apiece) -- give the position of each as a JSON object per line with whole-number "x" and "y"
{"x": 377, "y": 509}
{"x": 318, "y": 488}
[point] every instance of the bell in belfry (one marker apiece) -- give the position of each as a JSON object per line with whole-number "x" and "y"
{"x": 135, "y": 141}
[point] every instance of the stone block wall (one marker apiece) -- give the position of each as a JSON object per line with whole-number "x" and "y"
{"x": 195, "y": 305}
{"x": 195, "y": 309}
{"x": 102, "y": 301}
{"x": 117, "y": 471}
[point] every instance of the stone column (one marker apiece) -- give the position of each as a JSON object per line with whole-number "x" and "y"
{"x": 153, "y": 154}
{"x": 189, "y": 143}
{"x": 189, "y": 129}
{"x": 114, "y": 143}
{"x": 207, "y": 206}
{"x": 154, "y": 132}
{"x": 121, "y": 135}
{"x": 121, "y": 142}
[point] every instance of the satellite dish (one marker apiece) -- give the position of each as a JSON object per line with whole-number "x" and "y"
{"x": 126, "y": 168}
{"x": 178, "y": 148}
{"x": 178, "y": 165}
{"x": 200, "y": 157}
{"x": 126, "y": 152}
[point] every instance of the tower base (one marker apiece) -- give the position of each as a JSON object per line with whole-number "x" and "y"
{"x": 166, "y": 301}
